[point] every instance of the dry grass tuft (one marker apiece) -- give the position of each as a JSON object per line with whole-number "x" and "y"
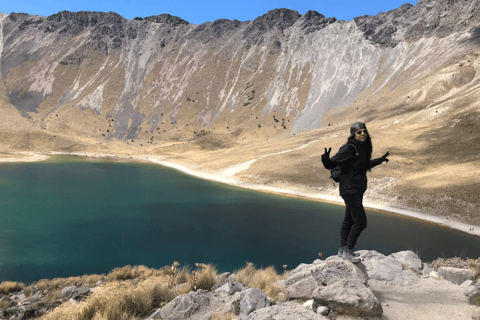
{"x": 205, "y": 277}
{"x": 264, "y": 279}
{"x": 460, "y": 263}
{"x": 8, "y": 287}
{"x": 129, "y": 272}
{"x": 117, "y": 300}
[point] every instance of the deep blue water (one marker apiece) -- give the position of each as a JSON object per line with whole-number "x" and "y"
{"x": 69, "y": 217}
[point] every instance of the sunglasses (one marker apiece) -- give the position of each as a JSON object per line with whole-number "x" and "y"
{"x": 361, "y": 131}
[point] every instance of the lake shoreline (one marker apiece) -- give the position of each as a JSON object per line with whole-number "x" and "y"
{"x": 232, "y": 181}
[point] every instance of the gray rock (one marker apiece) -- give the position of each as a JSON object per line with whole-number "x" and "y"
{"x": 249, "y": 300}
{"x": 455, "y": 275}
{"x": 380, "y": 267}
{"x": 302, "y": 283}
{"x": 286, "y": 311}
{"x": 473, "y": 294}
{"x": 199, "y": 305}
{"x": 323, "y": 310}
{"x": 409, "y": 259}
{"x": 74, "y": 292}
{"x": 223, "y": 277}
{"x": 230, "y": 288}
{"x": 299, "y": 268}
{"x": 350, "y": 297}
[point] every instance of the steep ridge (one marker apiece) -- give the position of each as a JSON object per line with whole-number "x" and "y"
{"x": 219, "y": 94}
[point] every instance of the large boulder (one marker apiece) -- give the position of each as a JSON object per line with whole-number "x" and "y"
{"x": 197, "y": 305}
{"x": 473, "y": 294}
{"x": 455, "y": 275}
{"x": 248, "y": 301}
{"x": 350, "y": 297}
{"x": 381, "y": 267}
{"x": 307, "y": 278}
{"x": 285, "y": 311}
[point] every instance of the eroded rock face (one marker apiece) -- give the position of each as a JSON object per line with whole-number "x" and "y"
{"x": 302, "y": 65}
{"x": 350, "y": 297}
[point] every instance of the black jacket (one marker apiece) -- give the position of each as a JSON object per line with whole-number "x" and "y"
{"x": 354, "y": 165}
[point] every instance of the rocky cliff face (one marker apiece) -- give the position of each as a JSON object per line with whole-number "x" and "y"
{"x": 80, "y": 80}
{"x": 140, "y": 73}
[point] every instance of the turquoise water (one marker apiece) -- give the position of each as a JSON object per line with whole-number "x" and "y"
{"x": 69, "y": 217}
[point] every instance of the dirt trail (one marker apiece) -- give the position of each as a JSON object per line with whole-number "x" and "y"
{"x": 427, "y": 298}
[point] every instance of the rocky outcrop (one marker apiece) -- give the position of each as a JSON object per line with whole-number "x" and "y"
{"x": 335, "y": 288}
{"x": 305, "y": 279}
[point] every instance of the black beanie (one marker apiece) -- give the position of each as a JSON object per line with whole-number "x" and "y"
{"x": 356, "y": 126}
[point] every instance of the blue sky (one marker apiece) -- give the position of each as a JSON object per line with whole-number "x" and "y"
{"x": 198, "y": 11}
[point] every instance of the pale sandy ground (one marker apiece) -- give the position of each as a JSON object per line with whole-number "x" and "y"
{"x": 425, "y": 298}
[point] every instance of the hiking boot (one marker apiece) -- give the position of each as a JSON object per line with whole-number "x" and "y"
{"x": 350, "y": 255}
{"x": 340, "y": 252}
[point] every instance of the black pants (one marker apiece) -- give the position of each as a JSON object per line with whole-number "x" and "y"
{"x": 355, "y": 220}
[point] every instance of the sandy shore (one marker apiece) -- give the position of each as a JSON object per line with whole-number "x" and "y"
{"x": 227, "y": 176}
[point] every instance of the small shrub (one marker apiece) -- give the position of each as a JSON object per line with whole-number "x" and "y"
{"x": 8, "y": 287}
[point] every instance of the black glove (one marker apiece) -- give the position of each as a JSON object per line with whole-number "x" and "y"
{"x": 384, "y": 157}
{"x": 326, "y": 155}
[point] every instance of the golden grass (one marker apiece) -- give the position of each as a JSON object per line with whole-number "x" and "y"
{"x": 125, "y": 299}
{"x": 264, "y": 279}
{"x": 116, "y": 300}
{"x": 8, "y": 287}
{"x": 129, "y": 272}
{"x": 205, "y": 277}
{"x": 457, "y": 262}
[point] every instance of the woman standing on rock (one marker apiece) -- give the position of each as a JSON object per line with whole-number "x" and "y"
{"x": 355, "y": 159}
